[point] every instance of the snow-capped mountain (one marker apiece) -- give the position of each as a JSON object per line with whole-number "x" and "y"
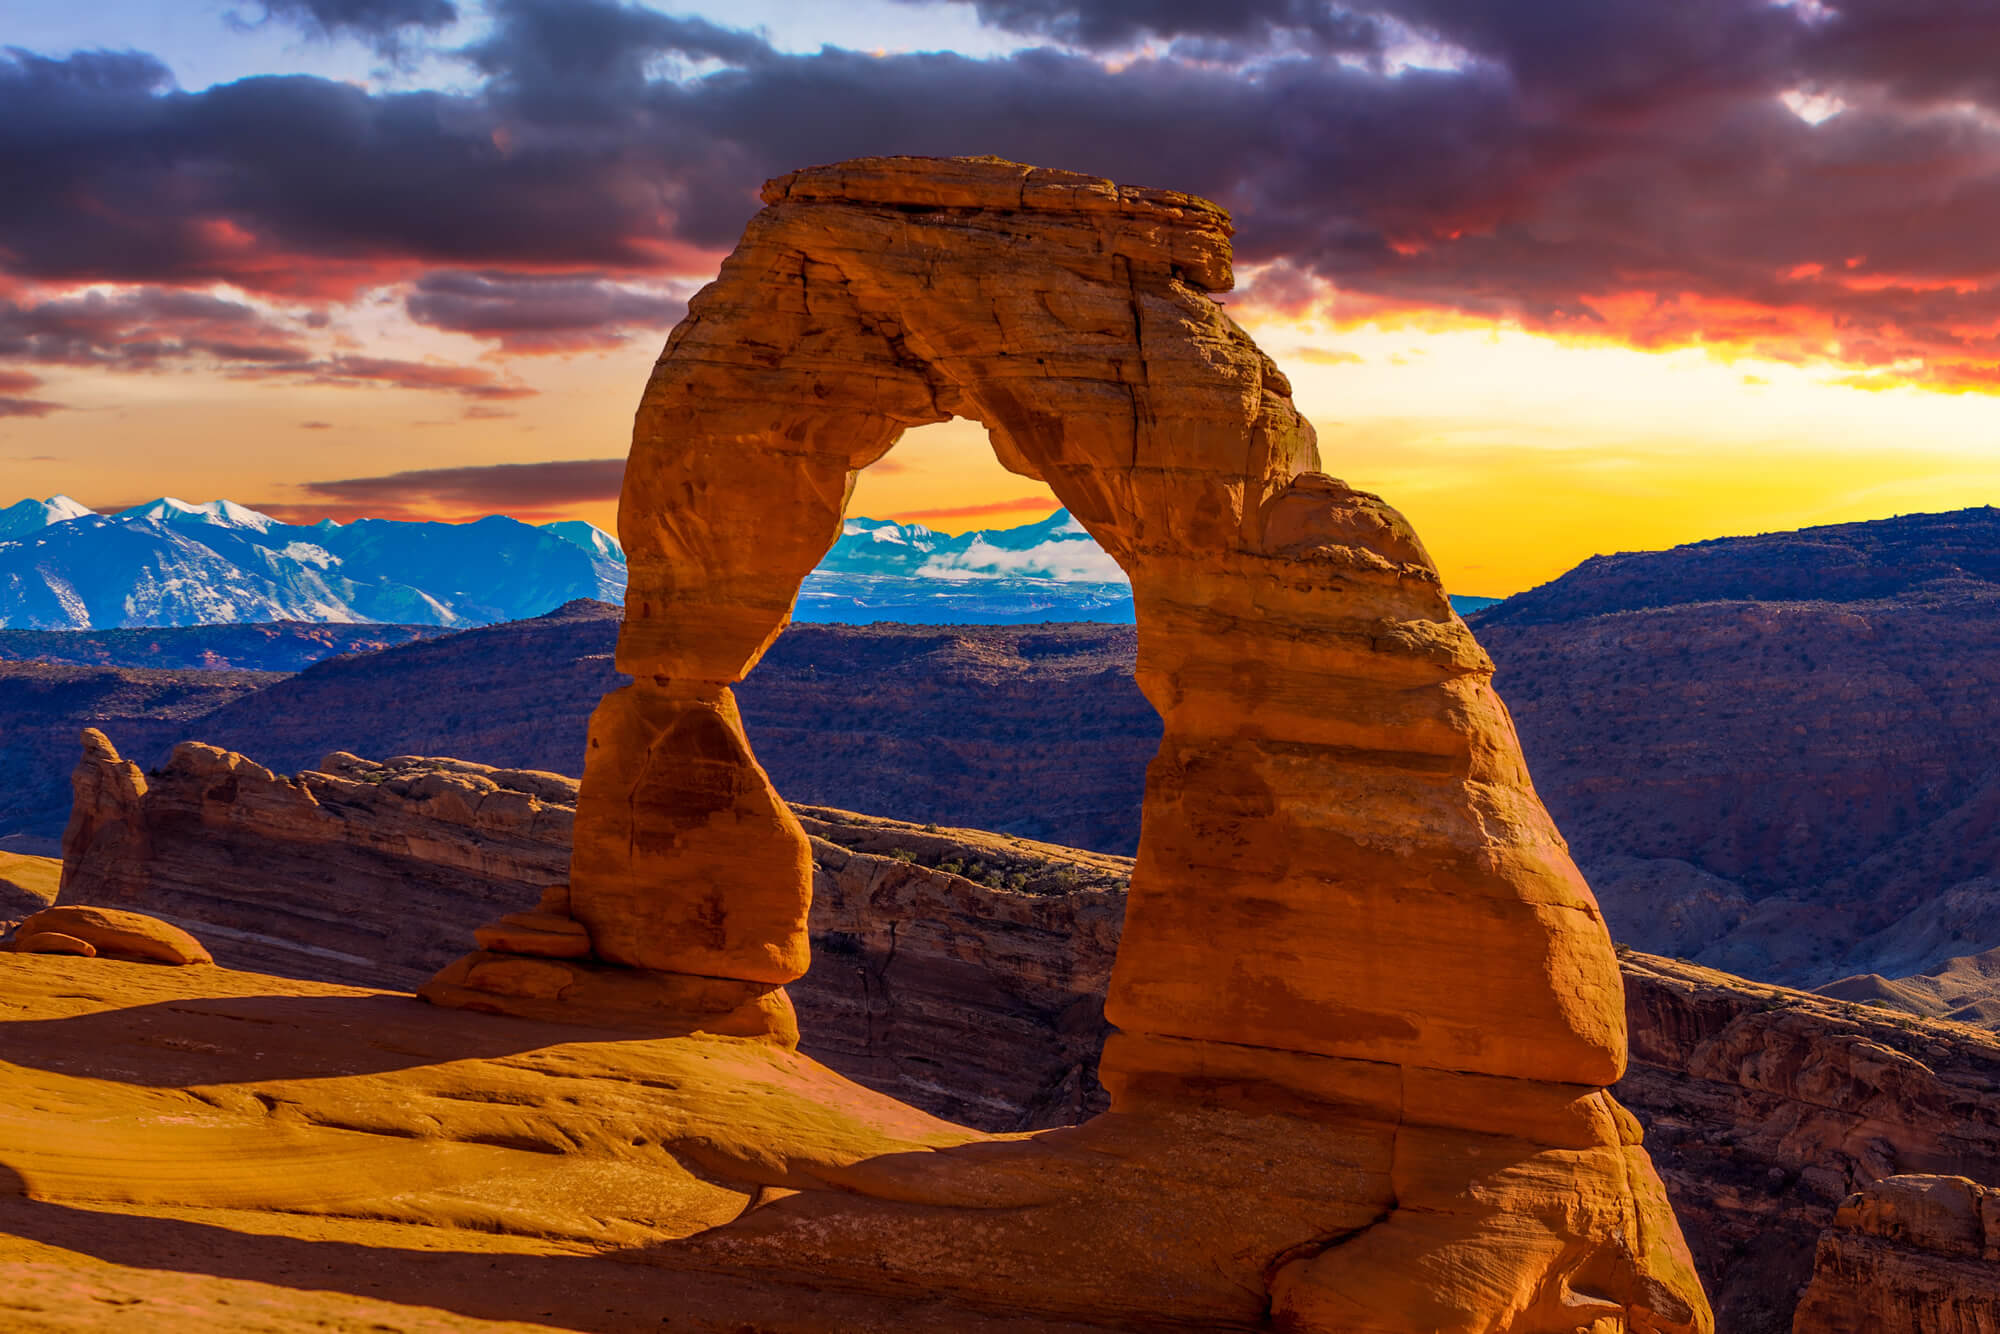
{"x": 1049, "y": 570}
{"x": 588, "y": 536}
{"x": 170, "y": 563}
{"x": 215, "y": 514}
{"x": 30, "y": 516}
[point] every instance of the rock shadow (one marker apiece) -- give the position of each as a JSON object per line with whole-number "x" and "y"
{"x": 222, "y": 1039}
{"x": 601, "y": 1294}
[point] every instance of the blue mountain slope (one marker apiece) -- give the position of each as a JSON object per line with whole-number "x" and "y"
{"x": 170, "y": 563}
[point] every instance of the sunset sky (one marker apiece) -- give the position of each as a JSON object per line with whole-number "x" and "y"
{"x": 1556, "y": 277}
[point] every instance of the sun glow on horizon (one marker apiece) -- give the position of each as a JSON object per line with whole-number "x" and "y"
{"x": 1516, "y": 454}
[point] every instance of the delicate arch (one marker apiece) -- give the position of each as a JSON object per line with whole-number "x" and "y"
{"x": 1312, "y": 677}
{"x": 1355, "y": 948}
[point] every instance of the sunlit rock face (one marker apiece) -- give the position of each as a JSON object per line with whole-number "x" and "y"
{"x": 1367, "y": 1008}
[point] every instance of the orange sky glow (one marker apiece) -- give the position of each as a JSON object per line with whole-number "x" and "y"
{"x": 1516, "y": 453}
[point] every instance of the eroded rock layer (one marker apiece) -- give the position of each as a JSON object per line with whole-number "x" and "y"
{"x": 368, "y": 872}
{"x": 1909, "y": 1255}
{"x": 1765, "y": 1108}
{"x": 1349, "y": 910}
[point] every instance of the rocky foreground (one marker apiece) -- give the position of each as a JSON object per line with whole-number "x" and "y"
{"x": 964, "y": 973}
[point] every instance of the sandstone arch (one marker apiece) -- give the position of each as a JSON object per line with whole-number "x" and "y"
{"x": 1348, "y": 897}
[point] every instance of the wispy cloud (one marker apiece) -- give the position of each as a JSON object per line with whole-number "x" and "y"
{"x": 1041, "y": 504}
{"x": 524, "y": 490}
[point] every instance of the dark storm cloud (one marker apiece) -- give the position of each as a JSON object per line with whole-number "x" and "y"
{"x": 501, "y": 488}
{"x": 1112, "y": 24}
{"x": 305, "y": 185}
{"x": 559, "y": 55}
{"x": 141, "y": 329}
{"x": 383, "y": 24}
{"x": 1615, "y": 166}
{"x": 536, "y": 313}
{"x": 150, "y": 328}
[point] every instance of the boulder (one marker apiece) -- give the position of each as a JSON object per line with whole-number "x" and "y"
{"x": 118, "y": 933}
{"x": 1910, "y": 1254}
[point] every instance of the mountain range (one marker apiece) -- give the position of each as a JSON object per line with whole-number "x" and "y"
{"x": 169, "y": 563}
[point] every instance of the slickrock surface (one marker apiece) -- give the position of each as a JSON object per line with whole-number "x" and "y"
{"x": 1350, "y": 914}
{"x": 1910, "y": 1255}
{"x": 196, "y": 1149}
{"x": 27, "y": 883}
{"x": 935, "y": 982}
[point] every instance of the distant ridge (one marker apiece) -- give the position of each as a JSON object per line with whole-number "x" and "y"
{"x": 172, "y": 563}
{"x": 1848, "y": 562}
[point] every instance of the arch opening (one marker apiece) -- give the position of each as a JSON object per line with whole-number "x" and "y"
{"x": 961, "y": 745}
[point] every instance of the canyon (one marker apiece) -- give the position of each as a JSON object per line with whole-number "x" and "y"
{"x": 1650, "y": 729}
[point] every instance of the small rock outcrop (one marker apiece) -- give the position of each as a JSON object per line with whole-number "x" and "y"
{"x": 1765, "y": 1108}
{"x": 1909, "y": 1255}
{"x": 246, "y": 858}
{"x": 113, "y": 932}
{"x": 1348, "y": 903}
{"x": 52, "y": 942}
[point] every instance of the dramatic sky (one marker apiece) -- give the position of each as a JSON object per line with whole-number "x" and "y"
{"x": 1554, "y": 276}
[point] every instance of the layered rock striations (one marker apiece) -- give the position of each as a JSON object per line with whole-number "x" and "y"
{"x": 1765, "y": 1108}
{"x": 362, "y": 871}
{"x": 1909, "y": 1255}
{"x": 1356, "y": 959}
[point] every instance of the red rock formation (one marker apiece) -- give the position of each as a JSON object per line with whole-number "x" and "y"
{"x": 357, "y": 870}
{"x": 1909, "y": 1255}
{"x": 1347, "y": 898}
{"x": 978, "y": 1001}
